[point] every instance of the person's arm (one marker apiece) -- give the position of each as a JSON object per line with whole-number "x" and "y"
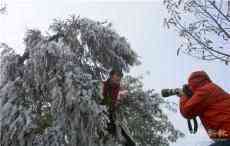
{"x": 123, "y": 93}
{"x": 101, "y": 88}
{"x": 192, "y": 107}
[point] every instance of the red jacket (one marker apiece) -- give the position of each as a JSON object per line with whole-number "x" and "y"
{"x": 210, "y": 102}
{"x": 111, "y": 90}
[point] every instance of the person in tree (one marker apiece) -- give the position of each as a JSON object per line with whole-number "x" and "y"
{"x": 211, "y": 104}
{"x": 113, "y": 93}
{"x": 112, "y": 89}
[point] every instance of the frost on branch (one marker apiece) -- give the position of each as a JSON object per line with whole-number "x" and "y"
{"x": 48, "y": 95}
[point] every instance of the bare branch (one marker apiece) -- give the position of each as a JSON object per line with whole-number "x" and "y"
{"x": 207, "y": 33}
{"x": 202, "y": 43}
{"x": 219, "y": 11}
{"x": 211, "y": 16}
{"x": 228, "y": 9}
{"x": 2, "y": 7}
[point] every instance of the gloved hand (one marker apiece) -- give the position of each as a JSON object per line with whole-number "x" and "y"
{"x": 187, "y": 91}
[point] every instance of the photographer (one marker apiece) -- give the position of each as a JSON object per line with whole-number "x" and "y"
{"x": 211, "y": 104}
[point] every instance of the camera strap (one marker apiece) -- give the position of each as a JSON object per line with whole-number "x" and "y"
{"x": 192, "y": 129}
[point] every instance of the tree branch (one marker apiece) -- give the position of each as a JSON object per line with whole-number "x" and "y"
{"x": 217, "y": 23}
{"x": 202, "y": 43}
{"x": 220, "y": 12}
{"x": 228, "y": 9}
{"x": 2, "y": 7}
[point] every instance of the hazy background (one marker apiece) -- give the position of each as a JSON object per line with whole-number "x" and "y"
{"x": 141, "y": 23}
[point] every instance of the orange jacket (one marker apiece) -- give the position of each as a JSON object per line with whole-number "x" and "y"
{"x": 209, "y": 102}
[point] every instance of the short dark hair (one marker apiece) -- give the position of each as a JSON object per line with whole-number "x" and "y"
{"x": 116, "y": 71}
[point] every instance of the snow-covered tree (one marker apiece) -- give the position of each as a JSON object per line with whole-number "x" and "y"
{"x": 145, "y": 116}
{"x": 48, "y": 95}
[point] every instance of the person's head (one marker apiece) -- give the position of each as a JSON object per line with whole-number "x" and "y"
{"x": 198, "y": 79}
{"x": 115, "y": 76}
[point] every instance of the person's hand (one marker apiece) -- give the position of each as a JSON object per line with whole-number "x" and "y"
{"x": 187, "y": 91}
{"x": 123, "y": 93}
{"x": 180, "y": 93}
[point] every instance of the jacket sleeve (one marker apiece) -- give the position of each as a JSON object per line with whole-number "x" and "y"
{"x": 101, "y": 87}
{"x": 192, "y": 107}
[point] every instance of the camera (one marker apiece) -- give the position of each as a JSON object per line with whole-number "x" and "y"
{"x": 187, "y": 92}
{"x": 170, "y": 92}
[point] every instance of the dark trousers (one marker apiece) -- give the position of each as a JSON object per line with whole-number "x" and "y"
{"x": 221, "y": 143}
{"x": 111, "y": 124}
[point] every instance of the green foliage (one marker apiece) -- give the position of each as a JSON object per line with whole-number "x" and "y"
{"x": 45, "y": 121}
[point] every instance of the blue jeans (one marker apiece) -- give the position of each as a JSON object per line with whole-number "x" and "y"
{"x": 221, "y": 143}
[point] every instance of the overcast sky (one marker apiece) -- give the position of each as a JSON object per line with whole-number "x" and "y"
{"x": 140, "y": 22}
